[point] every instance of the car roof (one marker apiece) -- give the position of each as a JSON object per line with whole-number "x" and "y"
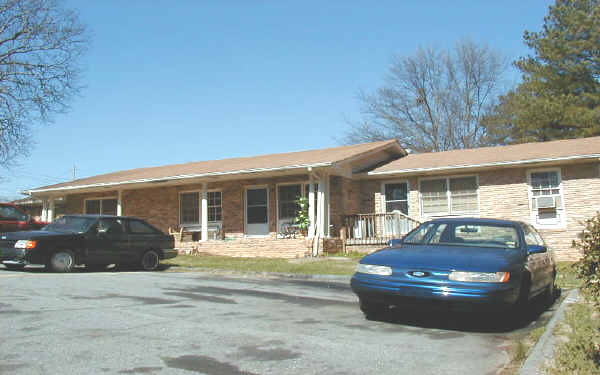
{"x": 476, "y": 220}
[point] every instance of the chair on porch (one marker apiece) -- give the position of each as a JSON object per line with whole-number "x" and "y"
{"x": 178, "y": 235}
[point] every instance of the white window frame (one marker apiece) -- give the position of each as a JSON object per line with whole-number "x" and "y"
{"x": 303, "y": 191}
{"x": 561, "y": 221}
{"x": 392, "y": 182}
{"x": 448, "y": 213}
{"x": 199, "y": 192}
{"x": 99, "y": 199}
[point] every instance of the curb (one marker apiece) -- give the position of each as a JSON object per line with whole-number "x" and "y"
{"x": 544, "y": 348}
{"x": 275, "y": 275}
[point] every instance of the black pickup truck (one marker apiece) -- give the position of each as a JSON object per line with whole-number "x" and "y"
{"x": 93, "y": 240}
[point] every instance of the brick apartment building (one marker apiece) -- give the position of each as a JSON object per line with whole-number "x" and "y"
{"x": 366, "y": 193}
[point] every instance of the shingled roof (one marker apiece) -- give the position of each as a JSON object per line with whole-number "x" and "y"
{"x": 525, "y": 153}
{"x": 263, "y": 163}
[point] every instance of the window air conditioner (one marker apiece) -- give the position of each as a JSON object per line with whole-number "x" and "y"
{"x": 546, "y": 202}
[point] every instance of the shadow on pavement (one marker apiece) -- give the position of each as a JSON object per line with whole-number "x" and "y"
{"x": 83, "y": 269}
{"x": 535, "y": 315}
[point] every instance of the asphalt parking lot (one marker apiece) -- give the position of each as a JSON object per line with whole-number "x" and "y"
{"x": 182, "y": 323}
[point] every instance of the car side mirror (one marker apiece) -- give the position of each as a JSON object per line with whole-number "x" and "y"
{"x": 536, "y": 249}
{"x": 395, "y": 242}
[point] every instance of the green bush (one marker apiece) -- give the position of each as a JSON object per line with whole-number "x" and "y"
{"x": 587, "y": 267}
{"x": 302, "y": 215}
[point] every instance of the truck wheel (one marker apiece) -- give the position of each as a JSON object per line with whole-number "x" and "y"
{"x": 62, "y": 261}
{"x": 150, "y": 260}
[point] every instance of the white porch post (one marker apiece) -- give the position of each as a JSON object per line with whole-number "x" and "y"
{"x": 326, "y": 208}
{"x": 44, "y": 210}
{"x": 321, "y": 206}
{"x": 204, "y": 213}
{"x": 51, "y": 210}
{"x": 120, "y": 203}
{"x": 311, "y": 205}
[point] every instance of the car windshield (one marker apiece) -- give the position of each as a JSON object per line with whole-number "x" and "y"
{"x": 464, "y": 234}
{"x": 12, "y": 213}
{"x": 70, "y": 224}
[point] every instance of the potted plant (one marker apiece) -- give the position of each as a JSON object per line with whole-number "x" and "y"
{"x": 301, "y": 219}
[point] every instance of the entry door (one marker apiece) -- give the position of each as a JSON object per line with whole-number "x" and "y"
{"x": 257, "y": 212}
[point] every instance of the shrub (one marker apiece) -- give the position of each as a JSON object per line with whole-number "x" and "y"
{"x": 587, "y": 267}
{"x": 302, "y": 215}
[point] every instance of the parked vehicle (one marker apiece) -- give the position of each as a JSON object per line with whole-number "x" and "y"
{"x": 93, "y": 240}
{"x": 458, "y": 263}
{"x": 12, "y": 219}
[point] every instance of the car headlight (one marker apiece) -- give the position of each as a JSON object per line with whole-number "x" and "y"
{"x": 25, "y": 244}
{"x": 480, "y": 277}
{"x": 374, "y": 270}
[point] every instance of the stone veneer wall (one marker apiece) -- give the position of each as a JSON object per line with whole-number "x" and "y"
{"x": 503, "y": 194}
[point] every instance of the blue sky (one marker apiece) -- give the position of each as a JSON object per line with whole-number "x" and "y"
{"x": 177, "y": 81}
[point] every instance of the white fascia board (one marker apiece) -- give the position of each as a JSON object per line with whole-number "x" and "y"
{"x": 484, "y": 165}
{"x": 178, "y": 177}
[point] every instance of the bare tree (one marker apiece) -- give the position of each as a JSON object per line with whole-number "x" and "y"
{"x": 434, "y": 100}
{"x": 40, "y": 46}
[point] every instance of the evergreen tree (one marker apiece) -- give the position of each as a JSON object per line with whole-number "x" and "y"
{"x": 560, "y": 94}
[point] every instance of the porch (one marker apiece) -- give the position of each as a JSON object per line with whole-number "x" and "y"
{"x": 375, "y": 228}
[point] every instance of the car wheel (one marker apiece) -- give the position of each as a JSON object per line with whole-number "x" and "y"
{"x": 372, "y": 308}
{"x": 15, "y": 267}
{"x": 62, "y": 261}
{"x": 549, "y": 294}
{"x": 150, "y": 260}
{"x": 522, "y": 302}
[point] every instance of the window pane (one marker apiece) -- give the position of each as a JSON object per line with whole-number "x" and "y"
{"x": 397, "y": 206}
{"x": 92, "y": 207}
{"x": 463, "y": 194}
{"x": 214, "y": 198}
{"x": 214, "y": 213}
{"x": 137, "y": 227}
{"x": 257, "y": 197}
{"x": 545, "y": 183}
{"x": 214, "y": 205}
{"x": 288, "y": 194}
{"x": 433, "y": 196}
{"x": 257, "y": 215}
{"x": 396, "y": 192}
{"x": 288, "y": 210}
{"x": 189, "y": 208}
{"x": 109, "y": 207}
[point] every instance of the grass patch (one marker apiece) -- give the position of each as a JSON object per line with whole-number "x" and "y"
{"x": 581, "y": 353}
{"x": 566, "y": 277}
{"x": 308, "y": 266}
{"x": 521, "y": 348}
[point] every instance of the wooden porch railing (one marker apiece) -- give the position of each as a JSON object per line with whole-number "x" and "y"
{"x": 375, "y": 229}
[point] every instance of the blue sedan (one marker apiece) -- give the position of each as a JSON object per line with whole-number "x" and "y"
{"x": 458, "y": 263}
